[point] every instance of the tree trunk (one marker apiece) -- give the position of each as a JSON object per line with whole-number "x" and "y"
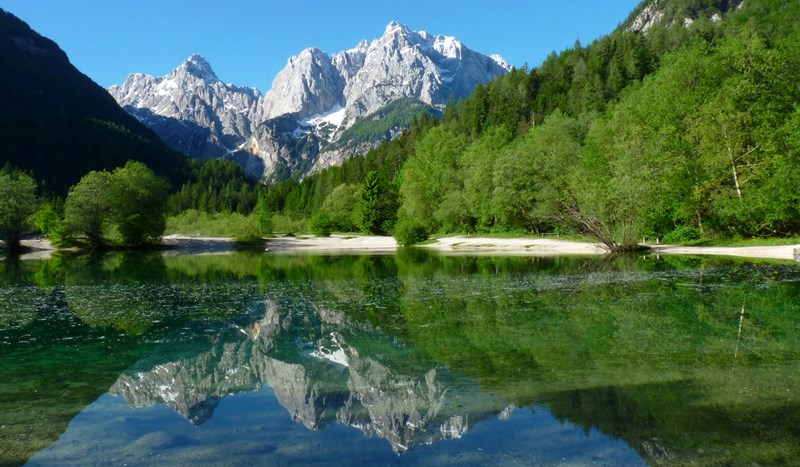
{"x": 13, "y": 244}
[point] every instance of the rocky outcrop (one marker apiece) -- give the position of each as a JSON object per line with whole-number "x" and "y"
{"x": 660, "y": 11}
{"x": 648, "y": 17}
{"x": 309, "y": 85}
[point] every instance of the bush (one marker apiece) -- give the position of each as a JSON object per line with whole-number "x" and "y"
{"x": 247, "y": 230}
{"x": 408, "y": 232}
{"x": 682, "y": 234}
{"x": 193, "y": 222}
{"x": 263, "y": 217}
{"x": 287, "y": 225}
{"x": 321, "y": 224}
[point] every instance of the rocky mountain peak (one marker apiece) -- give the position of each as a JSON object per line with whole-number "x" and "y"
{"x": 396, "y": 28}
{"x": 190, "y": 108}
{"x": 500, "y": 61}
{"x": 198, "y": 67}
{"x": 309, "y": 84}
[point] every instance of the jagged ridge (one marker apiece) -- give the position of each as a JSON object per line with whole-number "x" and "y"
{"x": 315, "y": 97}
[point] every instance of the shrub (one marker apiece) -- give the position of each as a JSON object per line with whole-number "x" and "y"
{"x": 682, "y": 234}
{"x": 408, "y": 232}
{"x": 321, "y": 224}
{"x": 287, "y": 225}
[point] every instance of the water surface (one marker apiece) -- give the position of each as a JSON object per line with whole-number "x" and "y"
{"x": 411, "y": 358}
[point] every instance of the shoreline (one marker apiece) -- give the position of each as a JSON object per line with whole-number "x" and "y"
{"x": 175, "y": 244}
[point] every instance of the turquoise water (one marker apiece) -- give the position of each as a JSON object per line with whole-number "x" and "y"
{"x": 407, "y": 359}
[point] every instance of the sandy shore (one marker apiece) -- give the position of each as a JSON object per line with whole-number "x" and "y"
{"x": 39, "y": 248}
{"x": 791, "y": 252}
{"x": 514, "y": 246}
{"x": 334, "y": 244}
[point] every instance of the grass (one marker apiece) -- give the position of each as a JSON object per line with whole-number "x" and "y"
{"x": 205, "y": 224}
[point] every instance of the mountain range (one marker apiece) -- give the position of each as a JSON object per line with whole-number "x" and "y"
{"x": 301, "y": 124}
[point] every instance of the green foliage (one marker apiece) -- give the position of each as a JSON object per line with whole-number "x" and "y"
{"x": 138, "y": 197}
{"x": 283, "y": 224}
{"x": 408, "y": 232}
{"x": 220, "y": 186}
{"x": 321, "y": 224}
{"x": 88, "y": 207}
{"x": 263, "y": 216}
{"x": 17, "y": 204}
{"x": 686, "y": 129}
{"x": 49, "y": 220}
{"x": 297, "y": 200}
{"x": 340, "y": 205}
{"x": 374, "y": 209}
{"x": 432, "y": 178}
{"x": 130, "y": 201}
{"x": 59, "y": 150}
{"x": 198, "y": 223}
{"x": 385, "y": 123}
{"x": 682, "y": 234}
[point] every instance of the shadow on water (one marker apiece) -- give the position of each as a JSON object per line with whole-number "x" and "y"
{"x": 685, "y": 359}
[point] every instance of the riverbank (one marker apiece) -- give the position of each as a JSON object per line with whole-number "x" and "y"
{"x": 40, "y": 248}
{"x": 791, "y": 252}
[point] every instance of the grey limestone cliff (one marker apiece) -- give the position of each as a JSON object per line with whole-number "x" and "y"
{"x": 191, "y": 109}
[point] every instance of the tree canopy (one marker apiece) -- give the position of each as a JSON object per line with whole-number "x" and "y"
{"x": 131, "y": 200}
{"x": 17, "y": 205}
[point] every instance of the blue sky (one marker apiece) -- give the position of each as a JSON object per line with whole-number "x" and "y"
{"x": 248, "y": 41}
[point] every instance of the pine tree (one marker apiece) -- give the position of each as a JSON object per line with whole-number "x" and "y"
{"x": 371, "y": 208}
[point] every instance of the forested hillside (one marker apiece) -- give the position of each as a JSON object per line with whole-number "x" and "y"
{"x": 687, "y": 129}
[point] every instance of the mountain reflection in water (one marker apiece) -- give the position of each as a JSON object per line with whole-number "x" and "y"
{"x": 303, "y": 352}
{"x": 685, "y": 360}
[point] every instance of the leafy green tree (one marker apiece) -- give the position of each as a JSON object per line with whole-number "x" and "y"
{"x": 431, "y": 175}
{"x": 477, "y": 163}
{"x": 131, "y": 198}
{"x": 48, "y": 219}
{"x": 138, "y": 197}
{"x": 530, "y": 175}
{"x": 17, "y": 204}
{"x": 340, "y": 204}
{"x": 263, "y": 215}
{"x": 88, "y": 207}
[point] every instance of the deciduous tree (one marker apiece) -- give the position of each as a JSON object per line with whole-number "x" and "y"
{"x": 17, "y": 204}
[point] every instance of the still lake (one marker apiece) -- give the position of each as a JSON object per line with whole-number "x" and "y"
{"x": 412, "y": 358}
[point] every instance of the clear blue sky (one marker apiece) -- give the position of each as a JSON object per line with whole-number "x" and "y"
{"x": 248, "y": 41}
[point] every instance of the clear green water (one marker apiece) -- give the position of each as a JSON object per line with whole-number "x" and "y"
{"x": 408, "y": 359}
